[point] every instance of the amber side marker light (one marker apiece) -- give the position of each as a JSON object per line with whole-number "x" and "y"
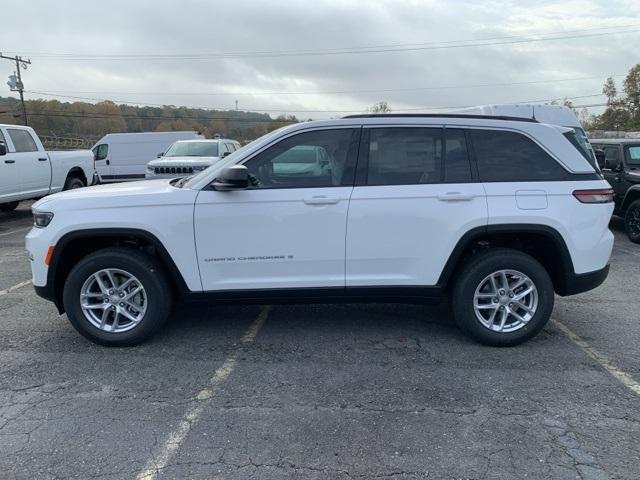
{"x": 600, "y": 195}
{"x": 47, "y": 257}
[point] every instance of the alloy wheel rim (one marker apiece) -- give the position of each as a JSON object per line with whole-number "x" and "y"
{"x": 505, "y": 301}
{"x": 113, "y": 300}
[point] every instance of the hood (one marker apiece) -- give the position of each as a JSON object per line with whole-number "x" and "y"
{"x": 122, "y": 195}
{"x": 183, "y": 162}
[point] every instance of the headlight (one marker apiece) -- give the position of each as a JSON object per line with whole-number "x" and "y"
{"x": 42, "y": 219}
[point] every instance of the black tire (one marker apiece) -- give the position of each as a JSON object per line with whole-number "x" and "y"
{"x": 148, "y": 272}
{"x": 8, "y": 207}
{"x": 632, "y": 221}
{"x": 72, "y": 183}
{"x": 472, "y": 275}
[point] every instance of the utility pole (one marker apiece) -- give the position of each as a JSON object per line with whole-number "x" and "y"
{"x": 15, "y": 81}
{"x": 236, "y": 105}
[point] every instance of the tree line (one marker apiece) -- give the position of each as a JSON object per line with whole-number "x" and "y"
{"x": 93, "y": 120}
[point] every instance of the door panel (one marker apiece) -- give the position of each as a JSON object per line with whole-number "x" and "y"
{"x": 288, "y": 229}
{"x": 403, "y": 235}
{"x": 414, "y": 200}
{"x": 32, "y": 166}
{"x": 272, "y": 238}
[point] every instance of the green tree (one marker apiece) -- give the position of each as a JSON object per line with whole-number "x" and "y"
{"x": 380, "y": 107}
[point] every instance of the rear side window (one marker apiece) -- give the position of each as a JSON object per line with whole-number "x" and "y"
{"x": 633, "y": 155}
{"x": 504, "y": 156}
{"x": 404, "y": 156}
{"x": 457, "y": 168}
{"x": 22, "y": 140}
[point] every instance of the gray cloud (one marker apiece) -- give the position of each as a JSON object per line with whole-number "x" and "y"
{"x": 193, "y": 27}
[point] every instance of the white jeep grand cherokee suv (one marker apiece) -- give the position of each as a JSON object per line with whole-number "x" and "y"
{"x": 497, "y": 212}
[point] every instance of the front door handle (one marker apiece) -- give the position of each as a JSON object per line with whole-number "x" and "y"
{"x": 456, "y": 197}
{"x": 321, "y": 200}
{"x": 42, "y": 159}
{"x": 9, "y": 161}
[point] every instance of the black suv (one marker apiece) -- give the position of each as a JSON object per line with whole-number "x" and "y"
{"x": 619, "y": 160}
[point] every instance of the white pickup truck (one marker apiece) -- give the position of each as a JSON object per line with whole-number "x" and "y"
{"x": 27, "y": 171}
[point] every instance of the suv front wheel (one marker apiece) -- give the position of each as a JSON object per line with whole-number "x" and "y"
{"x": 502, "y": 297}
{"x": 117, "y": 296}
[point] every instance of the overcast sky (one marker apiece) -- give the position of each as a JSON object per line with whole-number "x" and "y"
{"x": 168, "y": 52}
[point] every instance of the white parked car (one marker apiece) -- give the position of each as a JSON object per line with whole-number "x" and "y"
{"x": 27, "y": 171}
{"x": 498, "y": 213}
{"x": 186, "y": 157}
{"x": 123, "y": 157}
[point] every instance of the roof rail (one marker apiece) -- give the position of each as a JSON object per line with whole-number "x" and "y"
{"x": 442, "y": 115}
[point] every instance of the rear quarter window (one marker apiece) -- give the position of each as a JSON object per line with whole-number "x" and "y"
{"x": 505, "y": 156}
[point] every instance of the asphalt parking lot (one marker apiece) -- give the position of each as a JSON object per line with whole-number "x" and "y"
{"x": 320, "y": 391}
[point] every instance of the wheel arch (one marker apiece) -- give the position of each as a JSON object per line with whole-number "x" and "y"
{"x": 542, "y": 242}
{"x": 77, "y": 244}
{"x": 77, "y": 172}
{"x": 631, "y": 196}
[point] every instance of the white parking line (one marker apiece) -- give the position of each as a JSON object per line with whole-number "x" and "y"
{"x": 24, "y": 229}
{"x": 15, "y": 287}
{"x": 162, "y": 457}
{"x": 624, "y": 378}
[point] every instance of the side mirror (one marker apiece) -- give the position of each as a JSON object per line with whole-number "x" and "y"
{"x": 3, "y": 149}
{"x": 226, "y": 154}
{"x": 160, "y": 155}
{"x": 612, "y": 164}
{"x": 235, "y": 177}
{"x": 599, "y": 157}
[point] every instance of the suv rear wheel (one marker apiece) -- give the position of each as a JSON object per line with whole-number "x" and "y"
{"x": 632, "y": 222}
{"x": 117, "y": 297}
{"x": 502, "y": 297}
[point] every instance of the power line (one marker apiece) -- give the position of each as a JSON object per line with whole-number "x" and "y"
{"x": 334, "y": 92}
{"x": 551, "y": 36}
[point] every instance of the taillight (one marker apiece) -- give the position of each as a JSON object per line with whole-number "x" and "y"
{"x": 94, "y": 161}
{"x": 600, "y": 195}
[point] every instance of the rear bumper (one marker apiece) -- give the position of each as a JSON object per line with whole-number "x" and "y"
{"x": 583, "y": 282}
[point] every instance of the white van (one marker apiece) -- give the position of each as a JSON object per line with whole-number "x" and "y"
{"x": 551, "y": 114}
{"x": 124, "y": 156}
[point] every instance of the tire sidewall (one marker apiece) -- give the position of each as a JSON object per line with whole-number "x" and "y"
{"x": 73, "y": 183}
{"x": 477, "y": 271}
{"x": 634, "y": 206}
{"x": 149, "y": 275}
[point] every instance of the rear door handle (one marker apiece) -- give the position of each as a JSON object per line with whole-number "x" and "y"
{"x": 9, "y": 161}
{"x": 321, "y": 200}
{"x": 456, "y": 197}
{"x": 42, "y": 159}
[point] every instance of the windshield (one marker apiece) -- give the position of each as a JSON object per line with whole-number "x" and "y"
{"x": 632, "y": 152}
{"x": 228, "y": 160}
{"x": 193, "y": 149}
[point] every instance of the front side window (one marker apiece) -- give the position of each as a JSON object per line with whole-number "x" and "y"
{"x": 22, "y": 140}
{"x": 505, "y": 156}
{"x": 633, "y": 155}
{"x": 193, "y": 149}
{"x": 101, "y": 151}
{"x": 322, "y": 158}
{"x": 404, "y": 156}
